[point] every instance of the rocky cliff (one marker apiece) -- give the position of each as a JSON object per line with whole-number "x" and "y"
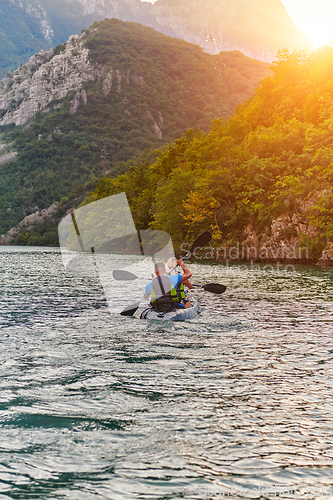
{"x": 43, "y": 79}
{"x": 28, "y": 26}
{"x": 38, "y": 217}
{"x": 53, "y": 74}
{"x": 258, "y": 28}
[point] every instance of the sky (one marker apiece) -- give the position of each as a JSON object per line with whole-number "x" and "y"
{"x": 314, "y": 17}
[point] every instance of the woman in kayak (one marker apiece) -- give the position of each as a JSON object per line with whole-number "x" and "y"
{"x": 163, "y": 288}
{"x": 172, "y": 263}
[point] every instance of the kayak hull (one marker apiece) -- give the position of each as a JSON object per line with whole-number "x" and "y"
{"x": 180, "y": 314}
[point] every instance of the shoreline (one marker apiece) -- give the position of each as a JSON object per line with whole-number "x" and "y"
{"x": 201, "y": 259}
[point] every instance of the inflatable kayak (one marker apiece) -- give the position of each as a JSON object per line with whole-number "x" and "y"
{"x": 180, "y": 314}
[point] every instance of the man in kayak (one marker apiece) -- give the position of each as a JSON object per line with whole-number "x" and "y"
{"x": 163, "y": 288}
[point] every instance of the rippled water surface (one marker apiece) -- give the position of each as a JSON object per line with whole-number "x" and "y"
{"x": 98, "y": 406}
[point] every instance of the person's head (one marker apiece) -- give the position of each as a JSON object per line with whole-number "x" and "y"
{"x": 172, "y": 262}
{"x": 159, "y": 268}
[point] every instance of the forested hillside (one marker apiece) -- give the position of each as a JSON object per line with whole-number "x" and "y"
{"x": 149, "y": 89}
{"x": 273, "y": 159}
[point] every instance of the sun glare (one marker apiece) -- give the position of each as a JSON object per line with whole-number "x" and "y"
{"x": 318, "y": 36}
{"x": 314, "y": 17}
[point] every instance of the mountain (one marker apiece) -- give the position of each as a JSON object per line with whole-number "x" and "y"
{"x": 91, "y": 106}
{"x": 28, "y": 26}
{"x": 258, "y": 28}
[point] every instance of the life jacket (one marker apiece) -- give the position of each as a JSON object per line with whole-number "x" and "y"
{"x": 181, "y": 292}
{"x": 164, "y": 295}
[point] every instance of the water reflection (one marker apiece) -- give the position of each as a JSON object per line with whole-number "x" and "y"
{"x": 95, "y": 405}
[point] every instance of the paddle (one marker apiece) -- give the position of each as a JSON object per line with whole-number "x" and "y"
{"x": 80, "y": 240}
{"x": 200, "y": 242}
{"x": 77, "y": 232}
{"x": 120, "y": 275}
{"x": 213, "y": 288}
{"x": 130, "y": 310}
{"x": 127, "y": 276}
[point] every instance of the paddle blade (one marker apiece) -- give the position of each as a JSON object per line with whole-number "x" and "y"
{"x": 130, "y": 310}
{"x": 123, "y": 276}
{"x": 214, "y": 288}
{"x": 201, "y": 241}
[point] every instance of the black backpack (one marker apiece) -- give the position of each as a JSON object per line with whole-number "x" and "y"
{"x": 161, "y": 286}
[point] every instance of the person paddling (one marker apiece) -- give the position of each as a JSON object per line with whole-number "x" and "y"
{"x": 163, "y": 288}
{"x": 172, "y": 263}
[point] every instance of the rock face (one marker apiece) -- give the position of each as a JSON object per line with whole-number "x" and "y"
{"x": 47, "y": 77}
{"x": 7, "y": 157}
{"x": 326, "y": 258}
{"x": 43, "y": 79}
{"x": 39, "y": 13}
{"x": 36, "y": 218}
{"x": 282, "y": 243}
{"x": 288, "y": 240}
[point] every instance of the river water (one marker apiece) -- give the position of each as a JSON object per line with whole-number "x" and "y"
{"x": 236, "y": 403}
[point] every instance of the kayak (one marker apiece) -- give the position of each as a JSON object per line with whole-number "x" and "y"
{"x": 180, "y": 314}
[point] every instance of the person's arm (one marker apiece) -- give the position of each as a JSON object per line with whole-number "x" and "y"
{"x": 147, "y": 291}
{"x": 188, "y": 284}
{"x": 187, "y": 273}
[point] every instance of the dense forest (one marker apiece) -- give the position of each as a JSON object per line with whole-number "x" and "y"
{"x": 162, "y": 87}
{"x": 273, "y": 157}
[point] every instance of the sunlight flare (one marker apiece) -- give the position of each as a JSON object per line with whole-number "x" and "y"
{"x": 314, "y": 17}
